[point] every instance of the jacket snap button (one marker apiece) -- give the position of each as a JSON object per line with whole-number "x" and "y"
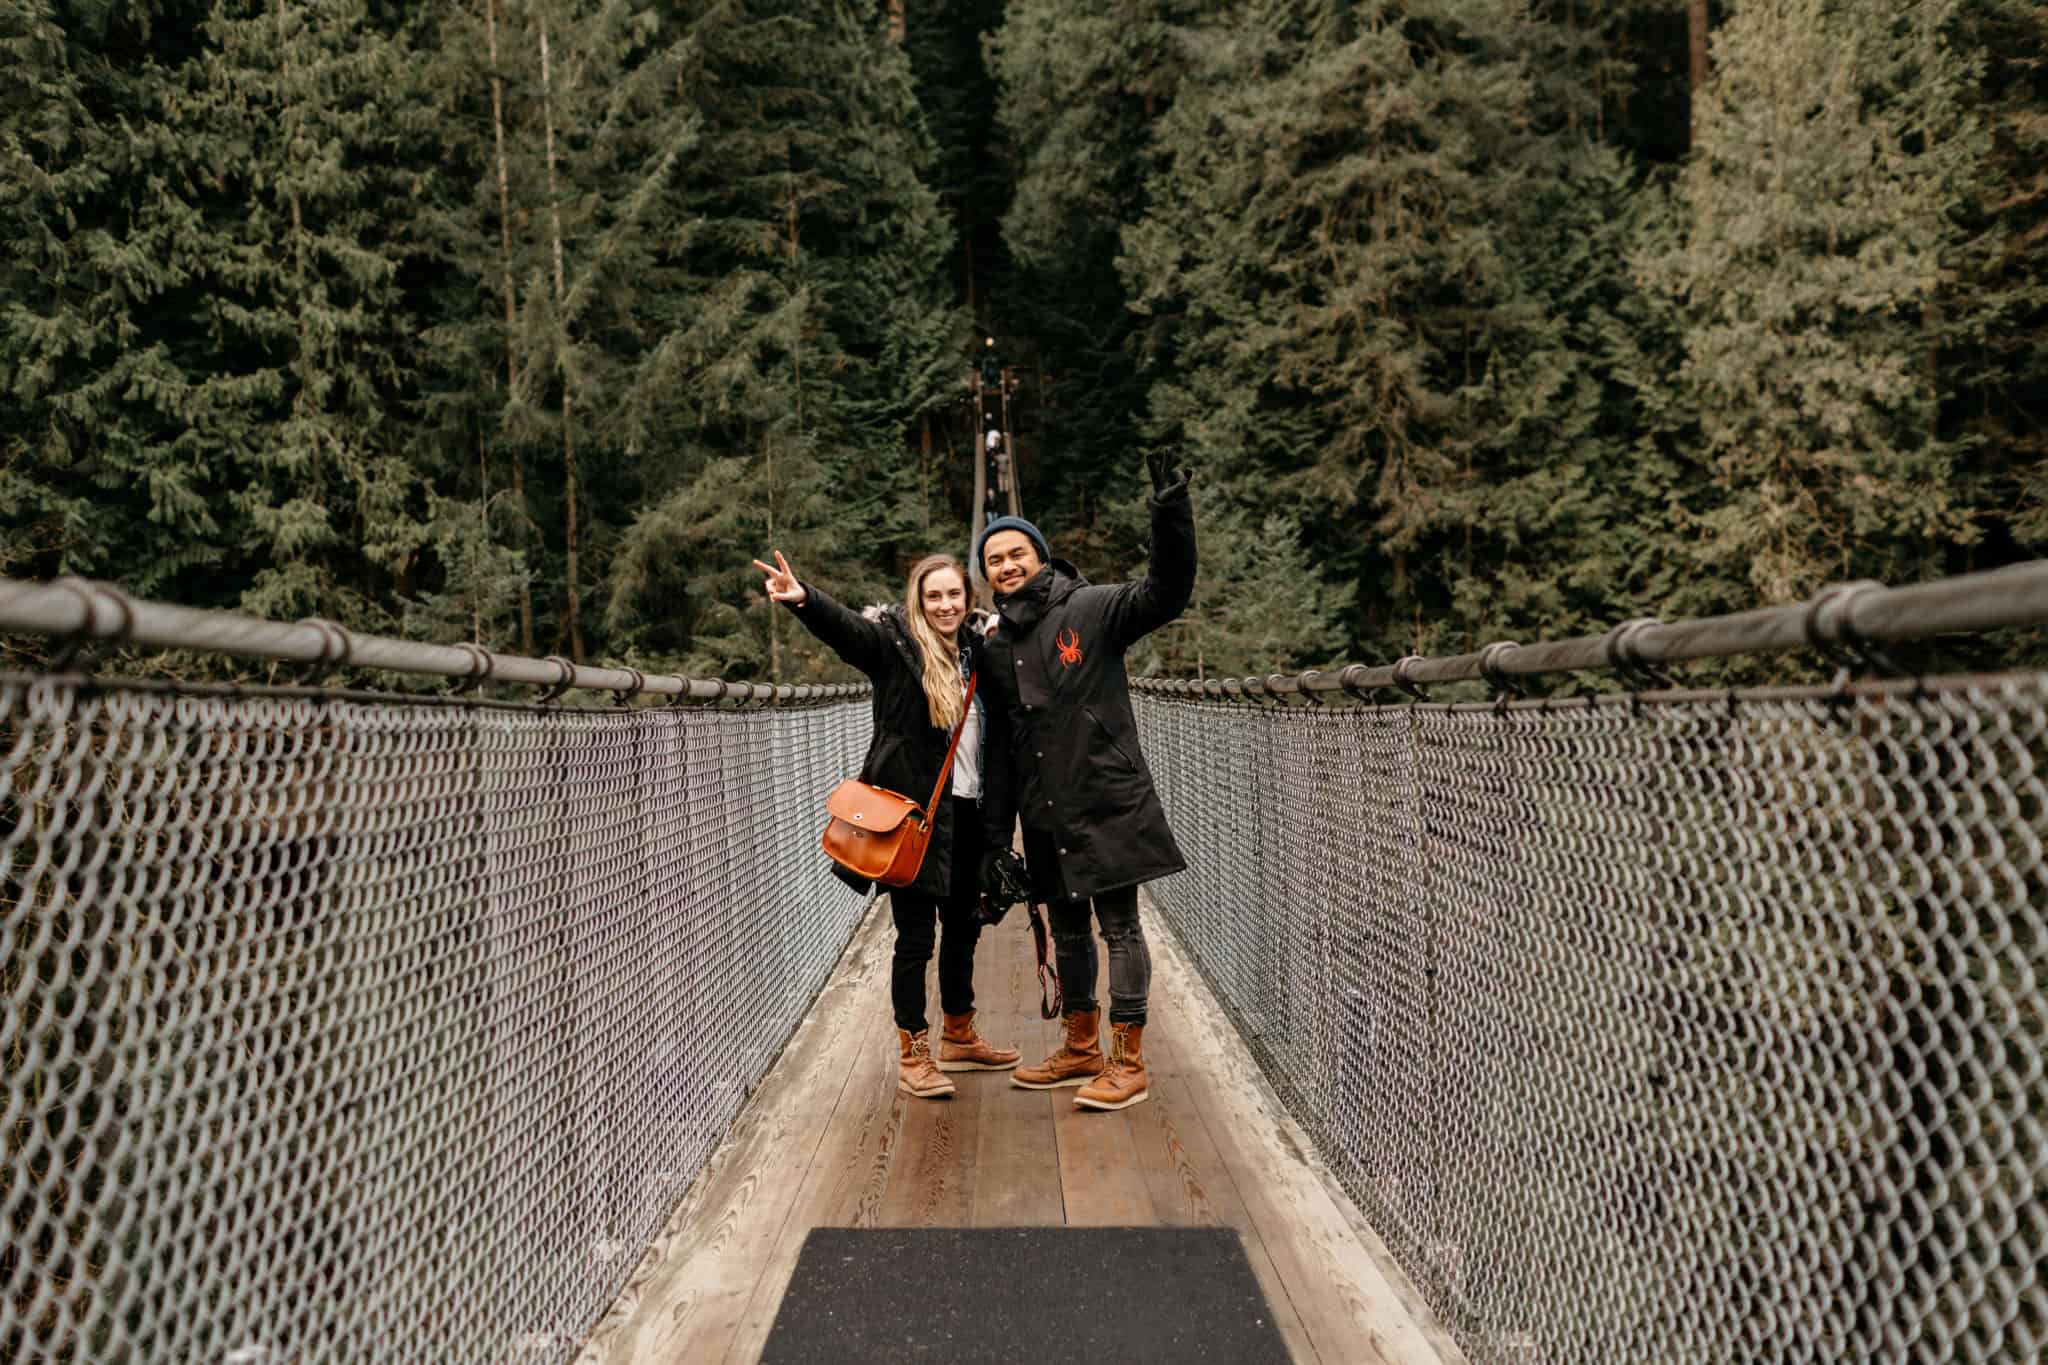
{"x": 1040, "y": 754}
{"x": 1063, "y": 851}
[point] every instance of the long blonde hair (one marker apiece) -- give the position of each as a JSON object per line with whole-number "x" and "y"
{"x": 941, "y": 673}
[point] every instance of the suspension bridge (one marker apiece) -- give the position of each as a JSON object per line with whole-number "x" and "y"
{"x": 1656, "y": 1024}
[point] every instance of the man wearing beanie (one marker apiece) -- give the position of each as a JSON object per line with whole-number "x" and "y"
{"x": 1065, "y": 760}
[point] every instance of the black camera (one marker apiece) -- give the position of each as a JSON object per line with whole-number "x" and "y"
{"x": 1004, "y": 882}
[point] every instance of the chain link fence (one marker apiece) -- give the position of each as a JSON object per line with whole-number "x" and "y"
{"x": 358, "y": 1029}
{"x": 1695, "y": 1030}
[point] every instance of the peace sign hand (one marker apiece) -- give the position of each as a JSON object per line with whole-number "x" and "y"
{"x": 782, "y": 585}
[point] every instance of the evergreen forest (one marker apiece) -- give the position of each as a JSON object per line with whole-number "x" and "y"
{"x": 531, "y": 322}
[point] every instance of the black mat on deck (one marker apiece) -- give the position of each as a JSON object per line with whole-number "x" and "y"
{"x": 969, "y": 1295}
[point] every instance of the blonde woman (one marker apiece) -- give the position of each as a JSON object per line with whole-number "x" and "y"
{"x": 919, "y": 656}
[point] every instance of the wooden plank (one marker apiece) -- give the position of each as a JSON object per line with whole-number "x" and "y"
{"x": 1174, "y": 1151}
{"x": 1353, "y": 1300}
{"x": 829, "y": 1141}
{"x": 846, "y": 1180}
{"x": 1186, "y": 1176}
{"x": 702, "y": 1271}
{"x": 1018, "y": 1181}
{"x": 1100, "y": 1178}
{"x": 1215, "y": 1193}
{"x": 1100, "y": 1182}
{"x": 850, "y": 1172}
{"x": 931, "y": 1175}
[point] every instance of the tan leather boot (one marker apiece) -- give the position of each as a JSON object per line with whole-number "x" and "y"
{"x": 962, "y": 1048}
{"x": 1123, "y": 1081}
{"x": 914, "y": 1070}
{"x": 1078, "y": 1060}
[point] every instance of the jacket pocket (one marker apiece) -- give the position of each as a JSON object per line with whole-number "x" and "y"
{"x": 1110, "y": 738}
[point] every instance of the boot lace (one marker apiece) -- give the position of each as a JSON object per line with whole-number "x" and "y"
{"x": 1115, "y": 1061}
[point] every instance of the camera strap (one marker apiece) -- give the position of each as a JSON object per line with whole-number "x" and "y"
{"x": 1051, "y": 1004}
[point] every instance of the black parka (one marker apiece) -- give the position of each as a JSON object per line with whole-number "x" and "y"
{"x": 1063, "y": 744}
{"x": 906, "y": 750}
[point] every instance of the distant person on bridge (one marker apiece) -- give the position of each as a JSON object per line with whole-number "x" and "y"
{"x": 1070, "y": 766}
{"x": 919, "y": 658}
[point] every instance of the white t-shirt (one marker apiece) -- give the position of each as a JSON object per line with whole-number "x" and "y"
{"x": 967, "y": 760}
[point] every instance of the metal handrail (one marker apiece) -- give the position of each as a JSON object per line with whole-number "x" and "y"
{"x": 1848, "y": 620}
{"x": 78, "y": 610}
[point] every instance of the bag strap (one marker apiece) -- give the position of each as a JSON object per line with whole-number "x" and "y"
{"x": 931, "y": 810}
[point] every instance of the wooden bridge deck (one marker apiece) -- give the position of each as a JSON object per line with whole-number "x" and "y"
{"x": 828, "y": 1141}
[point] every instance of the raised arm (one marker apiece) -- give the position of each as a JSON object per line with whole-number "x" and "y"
{"x": 861, "y": 642}
{"x": 1136, "y": 609}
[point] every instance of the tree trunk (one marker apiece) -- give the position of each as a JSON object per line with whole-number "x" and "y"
{"x": 792, "y": 221}
{"x": 1700, "y": 71}
{"x": 511, "y": 308}
{"x": 967, "y": 260}
{"x": 483, "y": 507}
{"x": 298, "y": 217}
{"x": 924, "y": 469}
{"x": 573, "y": 615}
{"x": 525, "y": 580}
{"x": 774, "y": 612}
{"x": 896, "y": 22}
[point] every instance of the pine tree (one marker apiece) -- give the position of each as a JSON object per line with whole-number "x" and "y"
{"x": 200, "y": 336}
{"x": 556, "y": 294}
{"x": 99, "y": 474}
{"x": 610, "y": 139}
{"x": 1994, "y": 364}
{"x": 477, "y": 581}
{"x": 1831, "y": 152}
{"x": 1379, "y": 269}
{"x": 1259, "y": 606}
{"x": 299, "y": 104}
{"x": 813, "y": 331}
{"x": 944, "y": 40}
{"x": 1083, "y": 89}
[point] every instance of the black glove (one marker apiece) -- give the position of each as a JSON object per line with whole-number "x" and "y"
{"x": 1004, "y": 880}
{"x": 1165, "y": 478}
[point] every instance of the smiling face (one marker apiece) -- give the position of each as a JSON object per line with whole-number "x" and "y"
{"x": 1009, "y": 559}
{"x": 944, "y": 599}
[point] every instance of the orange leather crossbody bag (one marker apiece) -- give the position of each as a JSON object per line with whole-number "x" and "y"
{"x": 880, "y": 835}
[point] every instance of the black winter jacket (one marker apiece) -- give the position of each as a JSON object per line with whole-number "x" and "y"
{"x": 1063, "y": 744}
{"x": 907, "y": 750}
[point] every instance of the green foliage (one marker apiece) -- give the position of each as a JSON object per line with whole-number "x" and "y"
{"x": 1383, "y": 279}
{"x": 1810, "y": 280}
{"x": 102, "y": 464}
{"x": 298, "y": 109}
{"x": 1083, "y": 89}
{"x": 1259, "y": 599}
{"x": 1475, "y": 318}
{"x": 1994, "y": 363}
{"x": 820, "y": 329}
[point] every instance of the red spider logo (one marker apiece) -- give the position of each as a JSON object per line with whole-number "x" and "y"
{"x": 1070, "y": 648}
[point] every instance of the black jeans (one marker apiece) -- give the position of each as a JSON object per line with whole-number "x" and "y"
{"x": 1130, "y": 960}
{"x": 918, "y": 916}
